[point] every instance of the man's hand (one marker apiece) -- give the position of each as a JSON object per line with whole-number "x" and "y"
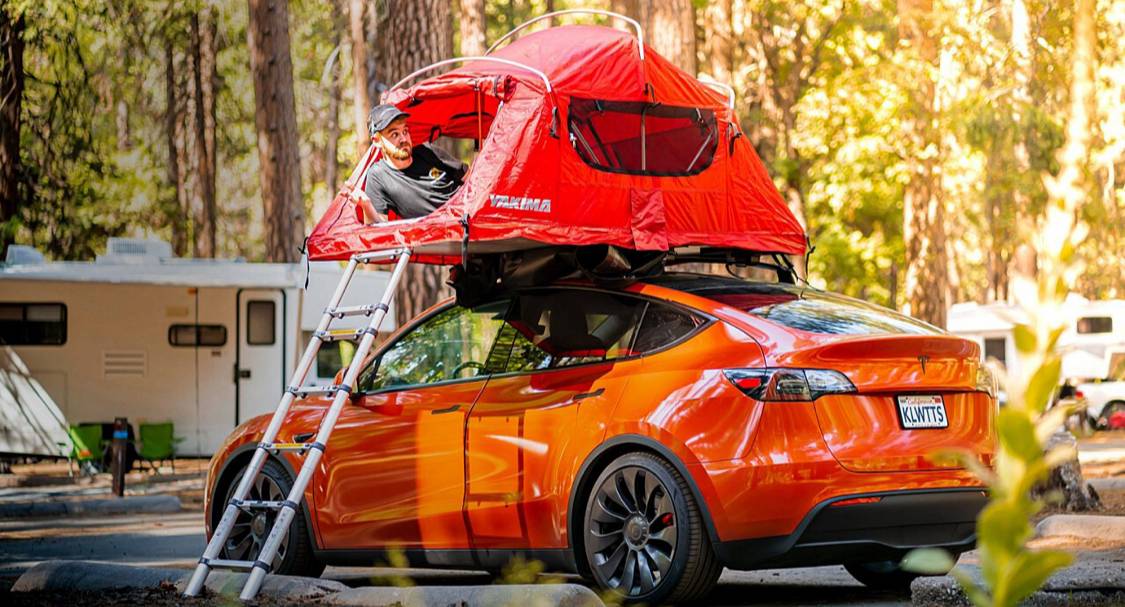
{"x": 370, "y": 215}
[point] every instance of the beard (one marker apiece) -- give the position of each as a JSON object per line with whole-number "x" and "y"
{"x": 393, "y": 151}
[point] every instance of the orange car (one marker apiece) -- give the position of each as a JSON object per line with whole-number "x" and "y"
{"x": 644, "y": 437}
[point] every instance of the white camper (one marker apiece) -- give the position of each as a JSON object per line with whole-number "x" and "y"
{"x": 205, "y": 344}
{"x": 1092, "y": 344}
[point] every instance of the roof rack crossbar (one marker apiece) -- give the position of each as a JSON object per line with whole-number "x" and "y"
{"x": 585, "y": 11}
{"x": 444, "y": 62}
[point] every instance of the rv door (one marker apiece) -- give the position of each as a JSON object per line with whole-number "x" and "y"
{"x": 259, "y": 368}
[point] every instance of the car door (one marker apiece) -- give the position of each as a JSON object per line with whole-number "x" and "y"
{"x": 393, "y": 472}
{"x": 568, "y": 363}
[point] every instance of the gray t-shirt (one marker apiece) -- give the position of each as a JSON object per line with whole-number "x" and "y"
{"x": 419, "y": 189}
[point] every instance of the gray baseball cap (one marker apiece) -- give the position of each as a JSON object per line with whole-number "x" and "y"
{"x": 382, "y": 116}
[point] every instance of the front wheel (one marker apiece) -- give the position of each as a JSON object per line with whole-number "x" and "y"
{"x": 644, "y": 534}
{"x": 294, "y": 556}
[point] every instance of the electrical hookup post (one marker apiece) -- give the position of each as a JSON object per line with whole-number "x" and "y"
{"x": 119, "y": 446}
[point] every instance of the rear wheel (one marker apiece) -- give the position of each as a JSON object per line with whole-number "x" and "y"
{"x": 645, "y": 537}
{"x": 294, "y": 556}
{"x": 884, "y": 575}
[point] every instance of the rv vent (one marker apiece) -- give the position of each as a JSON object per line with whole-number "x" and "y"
{"x": 135, "y": 250}
{"x": 124, "y": 363}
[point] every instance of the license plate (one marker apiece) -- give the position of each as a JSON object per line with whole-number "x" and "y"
{"x": 922, "y": 411}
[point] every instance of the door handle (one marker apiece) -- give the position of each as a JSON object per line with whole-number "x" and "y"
{"x": 446, "y": 410}
{"x": 583, "y": 395}
{"x": 302, "y": 437}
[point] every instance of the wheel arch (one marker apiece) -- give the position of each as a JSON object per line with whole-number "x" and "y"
{"x": 597, "y": 461}
{"x": 238, "y": 459}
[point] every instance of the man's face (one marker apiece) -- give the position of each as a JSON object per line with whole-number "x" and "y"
{"x": 395, "y": 140}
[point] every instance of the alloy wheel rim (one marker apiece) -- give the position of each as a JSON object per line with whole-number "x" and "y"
{"x": 252, "y": 528}
{"x": 632, "y": 531}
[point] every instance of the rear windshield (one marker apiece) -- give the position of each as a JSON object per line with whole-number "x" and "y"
{"x": 815, "y": 311}
{"x": 642, "y": 138}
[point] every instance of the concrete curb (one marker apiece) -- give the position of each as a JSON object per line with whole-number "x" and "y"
{"x": 88, "y": 575}
{"x": 92, "y": 576}
{"x": 1106, "y": 484}
{"x": 1091, "y": 583}
{"x": 140, "y": 504}
{"x": 1087, "y": 526}
{"x": 515, "y": 595}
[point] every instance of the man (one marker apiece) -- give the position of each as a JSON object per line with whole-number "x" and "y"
{"x": 411, "y": 181}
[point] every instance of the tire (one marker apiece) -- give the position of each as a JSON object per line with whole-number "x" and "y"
{"x": 884, "y": 575}
{"x": 1111, "y": 408}
{"x": 661, "y": 546}
{"x": 295, "y": 556}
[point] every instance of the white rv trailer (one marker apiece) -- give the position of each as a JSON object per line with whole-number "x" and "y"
{"x": 1092, "y": 344}
{"x": 205, "y": 344}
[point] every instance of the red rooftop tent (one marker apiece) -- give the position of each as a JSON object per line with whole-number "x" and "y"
{"x": 584, "y": 141}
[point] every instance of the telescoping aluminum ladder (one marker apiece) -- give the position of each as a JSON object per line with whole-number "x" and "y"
{"x": 312, "y": 451}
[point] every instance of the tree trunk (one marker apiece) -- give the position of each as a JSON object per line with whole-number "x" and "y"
{"x": 926, "y": 280}
{"x": 358, "y": 37}
{"x": 203, "y": 126}
{"x": 719, "y": 45}
{"x": 332, "y": 115}
{"x": 11, "y": 103}
{"x": 669, "y": 27}
{"x": 472, "y": 28}
{"x": 180, "y": 237}
{"x": 419, "y": 32}
{"x": 275, "y": 118}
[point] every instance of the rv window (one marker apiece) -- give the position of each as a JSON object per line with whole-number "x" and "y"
{"x": 211, "y": 336}
{"x": 996, "y": 347}
{"x": 32, "y": 324}
{"x": 1095, "y": 324}
{"x": 260, "y": 323}
{"x": 642, "y": 138}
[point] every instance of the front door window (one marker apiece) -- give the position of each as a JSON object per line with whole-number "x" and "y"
{"x": 451, "y": 345}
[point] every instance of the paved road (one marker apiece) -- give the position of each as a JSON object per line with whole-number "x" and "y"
{"x": 177, "y": 540}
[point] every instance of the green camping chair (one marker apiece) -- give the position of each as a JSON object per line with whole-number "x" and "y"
{"x": 158, "y": 443}
{"x": 86, "y": 447}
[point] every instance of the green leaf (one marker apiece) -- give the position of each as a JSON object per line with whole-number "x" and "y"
{"x": 1043, "y": 384}
{"x": 1025, "y": 338}
{"x": 1017, "y": 434}
{"x": 977, "y": 594}
{"x": 1003, "y": 528}
{"x": 927, "y": 561}
{"x": 1028, "y": 572}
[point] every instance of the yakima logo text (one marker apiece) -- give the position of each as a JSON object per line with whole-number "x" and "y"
{"x": 522, "y": 203}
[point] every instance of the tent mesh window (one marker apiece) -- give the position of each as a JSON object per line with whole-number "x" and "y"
{"x": 642, "y": 138}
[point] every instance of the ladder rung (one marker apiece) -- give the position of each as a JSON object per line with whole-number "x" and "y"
{"x": 303, "y": 391}
{"x": 290, "y": 446}
{"x": 365, "y": 310}
{"x": 377, "y": 256}
{"x": 229, "y": 564}
{"x": 259, "y": 504}
{"x": 327, "y": 336}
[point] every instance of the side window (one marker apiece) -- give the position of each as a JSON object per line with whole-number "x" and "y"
{"x": 549, "y": 329}
{"x": 453, "y": 344}
{"x": 663, "y": 325}
{"x": 197, "y": 335}
{"x": 260, "y": 323}
{"x": 32, "y": 324}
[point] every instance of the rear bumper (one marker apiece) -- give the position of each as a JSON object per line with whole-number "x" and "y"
{"x": 899, "y": 522}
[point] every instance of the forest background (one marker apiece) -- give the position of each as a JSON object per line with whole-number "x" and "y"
{"x": 911, "y": 137}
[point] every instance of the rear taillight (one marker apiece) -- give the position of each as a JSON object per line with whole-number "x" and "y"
{"x": 1079, "y": 395}
{"x": 986, "y": 381}
{"x": 789, "y": 384}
